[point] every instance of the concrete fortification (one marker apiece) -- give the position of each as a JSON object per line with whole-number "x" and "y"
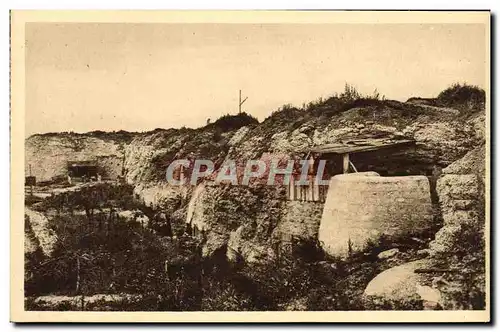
{"x": 361, "y": 207}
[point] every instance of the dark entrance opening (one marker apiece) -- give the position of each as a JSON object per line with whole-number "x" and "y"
{"x": 82, "y": 169}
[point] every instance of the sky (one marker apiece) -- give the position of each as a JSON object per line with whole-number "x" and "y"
{"x": 137, "y": 77}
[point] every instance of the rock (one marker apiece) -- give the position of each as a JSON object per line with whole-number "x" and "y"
{"x": 382, "y": 128}
{"x": 416, "y": 239}
{"x": 327, "y": 265}
{"x": 388, "y": 253}
{"x": 238, "y": 136}
{"x": 241, "y": 218}
{"x": 444, "y": 240}
{"x": 160, "y": 196}
{"x": 30, "y": 243}
{"x": 457, "y": 186}
{"x": 300, "y": 220}
{"x": 460, "y": 217}
{"x": 134, "y": 215}
{"x": 428, "y": 294}
{"x": 48, "y": 302}
{"x": 423, "y": 252}
{"x": 463, "y": 204}
{"x": 472, "y": 163}
{"x": 306, "y": 129}
{"x": 460, "y": 195}
{"x": 444, "y": 140}
{"x": 401, "y": 285}
{"x": 241, "y": 245}
{"x": 286, "y": 142}
{"x": 196, "y": 207}
{"x": 479, "y": 126}
{"x": 397, "y": 283}
{"x": 47, "y": 237}
{"x": 214, "y": 242}
{"x": 360, "y": 126}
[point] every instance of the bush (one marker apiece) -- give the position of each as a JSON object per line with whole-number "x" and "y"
{"x": 463, "y": 96}
{"x": 223, "y": 296}
{"x": 338, "y": 103}
{"x": 120, "y": 136}
{"x": 233, "y": 122}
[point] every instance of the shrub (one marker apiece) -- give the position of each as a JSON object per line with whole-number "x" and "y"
{"x": 233, "y": 122}
{"x": 462, "y": 96}
{"x": 350, "y": 93}
{"x": 223, "y": 296}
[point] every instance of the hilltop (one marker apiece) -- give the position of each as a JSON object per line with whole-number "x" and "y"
{"x": 446, "y": 128}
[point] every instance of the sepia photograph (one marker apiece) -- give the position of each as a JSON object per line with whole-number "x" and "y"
{"x": 216, "y": 166}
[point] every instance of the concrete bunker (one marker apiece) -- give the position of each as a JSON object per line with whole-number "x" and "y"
{"x": 100, "y": 168}
{"x": 83, "y": 169}
{"x": 361, "y": 208}
{"x": 342, "y": 157}
{"x": 380, "y": 155}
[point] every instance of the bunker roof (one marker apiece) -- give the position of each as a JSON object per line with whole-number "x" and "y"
{"x": 79, "y": 163}
{"x": 361, "y": 145}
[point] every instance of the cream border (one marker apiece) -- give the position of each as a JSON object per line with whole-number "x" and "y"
{"x": 18, "y": 20}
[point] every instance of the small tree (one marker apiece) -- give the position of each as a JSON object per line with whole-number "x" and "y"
{"x": 350, "y": 93}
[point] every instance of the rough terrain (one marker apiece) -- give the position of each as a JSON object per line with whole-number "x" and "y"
{"x": 251, "y": 223}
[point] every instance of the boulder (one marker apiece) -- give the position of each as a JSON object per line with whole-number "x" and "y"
{"x": 423, "y": 252}
{"x": 401, "y": 286}
{"x": 445, "y": 240}
{"x": 388, "y": 253}
{"x": 430, "y": 296}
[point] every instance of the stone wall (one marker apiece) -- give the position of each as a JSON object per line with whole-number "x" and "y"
{"x": 359, "y": 210}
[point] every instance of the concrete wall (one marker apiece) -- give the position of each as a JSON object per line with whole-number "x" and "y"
{"x": 362, "y": 207}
